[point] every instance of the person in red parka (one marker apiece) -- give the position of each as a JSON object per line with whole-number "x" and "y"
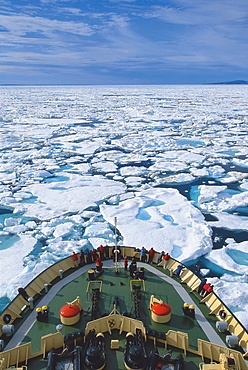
{"x": 75, "y": 259}
{"x": 94, "y": 254}
{"x": 166, "y": 258}
{"x": 99, "y": 265}
{"x": 205, "y": 289}
{"x": 101, "y": 251}
{"x": 151, "y": 255}
{"x": 208, "y": 290}
{"x": 125, "y": 261}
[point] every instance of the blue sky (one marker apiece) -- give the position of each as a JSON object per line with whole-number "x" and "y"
{"x": 123, "y": 42}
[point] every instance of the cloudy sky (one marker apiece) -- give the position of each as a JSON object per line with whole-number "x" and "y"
{"x": 123, "y": 41}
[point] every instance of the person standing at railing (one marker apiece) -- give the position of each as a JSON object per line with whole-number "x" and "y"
{"x": 88, "y": 256}
{"x": 143, "y": 255}
{"x": 23, "y": 293}
{"x": 82, "y": 261}
{"x": 101, "y": 251}
{"x": 94, "y": 254}
{"x": 204, "y": 289}
{"x": 151, "y": 255}
{"x": 160, "y": 257}
{"x": 106, "y": 251}
{"x": 208, "y": 290}
{"x": 166, "y": 258}
{"x": 125, "y": 261}
{"x": 202, "y": 283}
{"x": 75, "y": 259}
{"x": 179, "y": 270}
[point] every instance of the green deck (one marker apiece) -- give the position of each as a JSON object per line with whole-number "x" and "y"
{"x": 120, "y": 287}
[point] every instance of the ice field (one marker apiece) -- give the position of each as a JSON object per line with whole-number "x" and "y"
{"x": 170, "y": 162}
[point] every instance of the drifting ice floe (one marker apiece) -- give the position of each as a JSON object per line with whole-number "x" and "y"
{"x": 76, "y": 193}
{"x": 174, "y": 226}
{"x": 73, "y": 158}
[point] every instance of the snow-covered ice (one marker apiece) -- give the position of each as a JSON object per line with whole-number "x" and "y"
{"x": 170, "y": 162}
{"x": 229, "y": 221}
{"x": 228, "y": 262}
{"x": 174, "y": 226}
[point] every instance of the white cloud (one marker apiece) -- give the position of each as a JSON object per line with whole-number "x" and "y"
{"x": 134, "y": 37}
{"x": 208, "y": 32}
{"x": 209, "y": 13}
{"x": 22, "y": 25}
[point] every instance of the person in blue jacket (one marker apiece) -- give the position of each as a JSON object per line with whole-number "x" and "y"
{"x": 143, "y": 254}
{"x": 178, "y": 270}
{"x": 203, "y": 282}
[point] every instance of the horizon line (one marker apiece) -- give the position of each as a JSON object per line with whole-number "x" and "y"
{"x": 234, "y": 82}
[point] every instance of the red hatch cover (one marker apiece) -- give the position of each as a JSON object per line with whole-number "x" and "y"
{"x": 161, "y": 309}
{"x": 69, "y": 310}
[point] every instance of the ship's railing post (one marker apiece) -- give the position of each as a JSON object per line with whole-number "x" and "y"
{"x": 31, "y": 303}
{"x": 46, "y": 288}
{"x": 116, "y": 251}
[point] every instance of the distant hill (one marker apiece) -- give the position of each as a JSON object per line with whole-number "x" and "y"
{"x": 236, "y": 82}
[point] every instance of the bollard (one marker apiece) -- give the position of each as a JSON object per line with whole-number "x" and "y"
{"x": 61, "y": 274}
{"x": 232, "y": 340}
{"x": 46, "y": 288}
{"x": 31, "y": 303}
{"x": 222, "y": 326}
{"x": 44, "y": 310}
{"x": 192, "y": 311}
{"x": 38, "y": 314}
{"x": 59, "y": 327}
{"x": 186, "y": 309}
{"x": 8, "y": 330}
{"x": 171, "y": 272}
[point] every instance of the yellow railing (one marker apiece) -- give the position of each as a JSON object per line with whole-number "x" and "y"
{"x": 21, "y": 354}
{"x": 36, "y": 286}
{"x": 15, "y": 308}
{"x": 214, "y": 303}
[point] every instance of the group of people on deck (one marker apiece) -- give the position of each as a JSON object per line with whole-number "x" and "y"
{"x": 102, "y": 253}
{"x": 162, "y": 256}
{"x": 89, "y": 256}
{"x": 163, "y": 259}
